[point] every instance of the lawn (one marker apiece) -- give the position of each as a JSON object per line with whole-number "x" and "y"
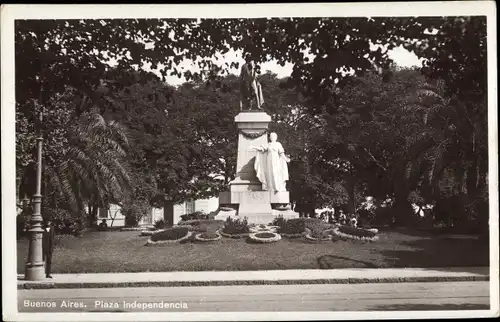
{"x": 125, "y": 252}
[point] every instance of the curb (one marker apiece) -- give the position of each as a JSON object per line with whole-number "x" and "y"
{"x": 51, "y": 285}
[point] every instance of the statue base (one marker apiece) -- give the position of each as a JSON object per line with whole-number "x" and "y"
{"x": 254, "y": 205}
{"x": 245, "y": 192}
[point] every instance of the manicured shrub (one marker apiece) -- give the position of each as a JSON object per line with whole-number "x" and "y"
{"x": 292, "y": 226}
{"x": 236, "y": 226}
{"x": 133, "y": 211}
{"x": 317, "y": 227}
{"x": 278, "y": 221}
{"x": 170, "y": 234}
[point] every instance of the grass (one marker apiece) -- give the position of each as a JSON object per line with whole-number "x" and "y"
{"x": 125, "y": 252}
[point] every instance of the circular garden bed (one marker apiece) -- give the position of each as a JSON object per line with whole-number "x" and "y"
{"x": 348, "y": 232}
{"x": 264, "y": 237}
{"x": 310, "y": 237}
{"x": 169, "y": 236}
{"x": 208, "y": 237}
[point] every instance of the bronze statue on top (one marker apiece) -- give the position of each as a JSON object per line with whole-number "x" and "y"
{"x": 250, "y": 88}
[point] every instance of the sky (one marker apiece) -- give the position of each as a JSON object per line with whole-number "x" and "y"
{"x": 401, "y": 57}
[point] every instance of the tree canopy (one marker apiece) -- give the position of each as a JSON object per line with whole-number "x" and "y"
{"x": 354, "y": 123}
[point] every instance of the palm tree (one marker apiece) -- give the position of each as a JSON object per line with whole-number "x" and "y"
{"x": 85, "y": 163}
{"x": 456, "y": 162}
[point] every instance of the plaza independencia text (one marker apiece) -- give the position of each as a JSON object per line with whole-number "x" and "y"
{"x": 108, "y": 304}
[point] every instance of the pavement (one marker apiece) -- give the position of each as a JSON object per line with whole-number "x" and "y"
{"x": 274, "y": 277}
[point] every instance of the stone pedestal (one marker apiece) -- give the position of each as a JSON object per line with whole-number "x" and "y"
{"x": 245, "y": 191}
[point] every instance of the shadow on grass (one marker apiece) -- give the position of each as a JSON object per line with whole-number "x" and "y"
{"x": 331, "y": 261}
{"x": 448, "y": 251}
{"x": 430, "y": 307}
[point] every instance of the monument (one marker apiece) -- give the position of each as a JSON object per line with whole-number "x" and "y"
{"x": 258, "y": 191}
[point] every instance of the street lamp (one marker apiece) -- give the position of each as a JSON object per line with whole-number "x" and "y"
{"x": 34, "y": 269}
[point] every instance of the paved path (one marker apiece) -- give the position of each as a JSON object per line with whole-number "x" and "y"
{"x": 306, "y": 276}
{"x": 317, "y": 297}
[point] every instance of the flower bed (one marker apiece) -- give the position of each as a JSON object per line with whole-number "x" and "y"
{"x": 347, "y": 232}
{"x": 169, "y": 236}
{"x": 290, "y": 227}
{"x": 208, "y": 237}
{"x": 265, "y": 237}
{"x": 235, "y": 228}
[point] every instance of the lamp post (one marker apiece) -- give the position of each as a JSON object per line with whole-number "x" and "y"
{"x": 34, "y": 269}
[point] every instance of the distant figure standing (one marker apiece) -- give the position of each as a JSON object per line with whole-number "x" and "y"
{"x": 342, "y": 218}
{"x": 48, "y": 246}
{"x": 250, "y": 88}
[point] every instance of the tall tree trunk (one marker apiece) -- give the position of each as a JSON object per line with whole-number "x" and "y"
{"x": 93, "y": 213}
{"x": 168, "y": 212}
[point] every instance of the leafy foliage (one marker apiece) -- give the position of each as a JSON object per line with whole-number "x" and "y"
{"x": 197, "y": 215}
{"x": 236, "y": 226}
{"x": 160, "y": 224}
{"x": 290, "y": 226}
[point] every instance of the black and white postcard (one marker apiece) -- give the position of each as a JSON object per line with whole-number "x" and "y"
{"x": 249, "y": 162}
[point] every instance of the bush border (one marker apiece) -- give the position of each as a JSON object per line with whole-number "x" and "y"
{"x": 149, "y": 242}
{"x": 311, "y": 238}
{"x": 277, "y": 237}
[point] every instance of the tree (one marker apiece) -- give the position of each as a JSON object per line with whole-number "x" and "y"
{"x": 84, "y": 163}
